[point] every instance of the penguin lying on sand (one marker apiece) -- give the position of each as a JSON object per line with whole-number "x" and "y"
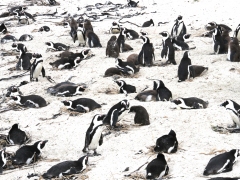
{"x": 8, "y": 38}
{"x": 17, "y": 136}
{"x": 57, "y": 46}
{"x": 31, "y": 101}
{"x": 146, "y": 55}
{"x": 26, "y": 37}
{"x": 125, "y": 88}
{"x": 66, "y": 63}
{"x": 126, "y": 67}
{"x": 3, "y": 160}
{"x": 190, "y": 103}
{"x": 141, "y": 117}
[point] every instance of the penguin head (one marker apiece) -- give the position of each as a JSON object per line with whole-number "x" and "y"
{"x": 67, "y": 103}
{"x": 152, "y": 22}
{"x": 114, "y": 23}
{"x": 118, "y": 61}
{"x": 65, "y": 24}
{"x": 157, "y": 84}
{"x": 86, "y": 52}
{"x": 132, "y": 109}
{"x": 225, "y": 103}
{"x": 80, "y": 89}
{"x": 213, "y": 24}
{"x": 177, "y": 101}
{"x": 41, "y": 29}
{"x": 49, "y": 43}
{"x": 145, "y": 39}
{"x": 17, "y": 99}
{"x": 186, "y": 36}
{"x": 12, "y": 90}
{"x": 160, "y": 156}
{"x": 179, "y": 18}
{"x": 40, "y": 144}
{"x": 164, "y": 34}
{"x": 15, "y": 126}
{"x": 14, "y": 45}
{"x": 186, "y": 55}
{"x": 125, "y": 104}
{"x": 113, "y": 38}
{"x": 83, "y": 160}
{"x": 143, "y": 33}
{"x": 120, "y": 83}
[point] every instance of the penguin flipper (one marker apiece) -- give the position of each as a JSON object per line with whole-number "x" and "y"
{"x": 140, "y": 56}
{"x": 87, "y": 140}
{"x": 101, "y": 140}
{"x": 43, "y": 72}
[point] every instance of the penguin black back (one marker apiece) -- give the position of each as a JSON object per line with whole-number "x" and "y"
{"x": 146, "y": 55}
{"x": 112, "y": 49}
{"x": 148, "y": 23}
{"x": 183, "y": 68}
{"x": 141, "y": 117}
{"x": 16, "y": 136}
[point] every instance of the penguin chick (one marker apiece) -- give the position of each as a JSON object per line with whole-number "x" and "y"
{"x": 141, "y": 117}
{"x": 16, "y": 136}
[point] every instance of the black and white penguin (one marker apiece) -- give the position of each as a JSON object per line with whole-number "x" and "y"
{"x": 113, "y": 114}
{"x": 190, "y": 103}
{"x": 113, "y": 71}
{"x": 52, "y": 2}
{"x": 164, "y": 94}
{"x": 28, "y": 153}
{"x": 112, "y": 49}
{"x": 183, "y": 68}
{"x": 126, "y": 67}
{"x": 16, "y": 136}
{"x": 179, "y": 28}
{"x": 115, "y": 29}
{"x": 31, "y": 101}
{"x": 3, "y": 29}
{"x": 168, "y": 51}
{"x": 148, "y": 23}
{"x": 66, "y": 63}
{"x": 81, "y": 105}
{"x": 121, "y": 40}
{"x": 19, "y": 47}
{"x": 125, "y": 88}
{"x": 3, "y": 160}
{"x": 26, "y": 37}
{"x": 146, "y": 55}
{"x": 22, "y": 17}
{"x": 224, "y": 178}
{"x": 23, "y": 61}
{"x": 81, "y": 38}
{"x": 233, "y": 109}
{"x": 37, "y": 67}
{"x": 44, "y": 28}
{"x": 133, "y": 58}
{"x": 131, "y": 34}
{"x": 8, "y": 38}
{"x": 157, "y": 168}
{"x": 66, "y": 168}
{"x": 233, "y": 50}
{"x": 180, "y": 45}
{"x": 236, "y": 33}
{"x": 141, "y": 117}
{"x": 13, "y": 91}
{"x": 220, "y": 41}
{"x": 87, "y": 26}
{"x": 66, "y": 89}
{"x": 222, "y": 163}
{"x": 196, "y": 70}
{"x": 92, "y": 39}
{"x": 167, "y": 143}
{"x": 132, "y": 3}
{"x": 57, "y": 46}
{"x": 94, "y": 137}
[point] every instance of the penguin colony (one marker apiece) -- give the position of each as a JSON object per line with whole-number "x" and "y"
{"x": 111, "y": 118}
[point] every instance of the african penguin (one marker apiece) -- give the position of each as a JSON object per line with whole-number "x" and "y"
{"x": 179, "y": 28}
{"x": 92, "y": 39}
{"x": 37, "y": 67}
{"x": 126, "y": 67}
{"x": 131, "y": 34}
{"x": 115, "y": 111}
{"x": 87, "y": 26}
{"x": 233, "y": 54}
{"x": 81, "y": 105}
{"x": 94, "y": 137}
{"x": 19, "y": 47}
{"x": 23, "y": 61}
{"x": 132, "y": 3}
{"x": 190, "y": 103}
{"x": 196, "y": 70}
{"x": 66, "y": 63}
{"x": 52, "y": 2}
{"x": 125, "y": 88}
{"x": 57, "y": 46}
{"x": 141, "y": 117}
{"x": 164, "y": 94}
{"x": 146, "y": 55}
{"x": 157, "y": 168}
{"x": 168, "y": 51}
{"x": 13, "y": 91}
{"x": 121, "y": 40}
{"x": 22, "y": 18}
{"x": 44, "y": 28}
{"x": 3, "y": 160}
{"x": 8, "y": 38}
{"x": 112, "y": 49}
{"x": 222, "y": 163}
{"x": 31, "y": 101}
{"x": 3, "y": 29}
{"x": 183, "y": 68}
{"x": 234, "y": 111}
{"x": 26, "y": 37}
{"x": 16, "y": 136}
{"x": 220, "y": 41}
{"x": 115, "y": 29}
{"x": 66, "y": 168}
{"x": 66, "y": 89}
{"x": 28, "y": 153}
{"x": 133, "y": 58}
{"x": 113, "y": 71}
{"x": 236, "y": 33}
{"x": 167, "y": 143}
{"x": 148, "y": 23}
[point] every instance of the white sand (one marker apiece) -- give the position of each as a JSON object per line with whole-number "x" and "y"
{"x": 66, "y": 134}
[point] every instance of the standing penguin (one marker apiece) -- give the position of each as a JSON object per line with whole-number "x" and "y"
{"x": 24, "y": 61}
{"x": 220, "y": 41}
{"x": 167, "y": 143}
{"x": 87, "y": 26}
{"x": 179, "y": 28}
{"x": 164, "y": 94}
{"x": 233, "y": 109}
{"x": 92, "y": 39}
{"x": 126, "y": 67}
{"x": 26, "y": 154}
{"x": 183, "y": 68}
{"x": 125, "y": 88}
{"x": 31, "y": 101}
{"x": 233, "y": 50}
{"x": 3, "y": 29}
{"x": 222, "y": 163}
{"x": 112, "y": 49}
{"x": 148, "y": 23}
{"x": 81, "y": 38}
{"x": 66, "y": 168}
{"x": 37, "y": 67}
{"x": 3, "y": 160}
{"x": 115, "y": 29}
{"x": 141, "y": 117}
{"x": 237, "y": 33}
{"x": 146, "y": 55}
{"x": 94, "y": 137}
{"x": 168, "y": 51}
{"x": 121, "y": 40}
{"x": 157, "y": 168}
{"x": 113, "y": 114}
{"x": 16, "y": 136}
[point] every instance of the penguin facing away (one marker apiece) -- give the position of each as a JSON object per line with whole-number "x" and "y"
{"x": 31, "y": 101}
{"x": 183, "y": 68}
{"x": 82, "y": 105}
{"x": 125, "y": 88}
{"x": 164, "y": 93}
{"x": 3, "y": 160}
{"x": 37, "y": 67}
{"x": 92, "y": 39}
{"x": 234, "y": 111}
{"x": 23, "y": 62}
{"x": 16, "y": 136}
{"x": 133, "y": 58}
{"x": 141, "y": 117}
{"x": 157, "y": 168}
{"x": 190, "y": 103}
{"x": 167, "y": 143}
{"x": 94, "y": 137}
{"x": 115, "y": 111}
{"x": 26, "y": 154}
{"x": 222, "y": 163}
{"x": 66, "y": 168}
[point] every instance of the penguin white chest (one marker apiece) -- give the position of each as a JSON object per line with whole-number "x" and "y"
{"x": 37, "y": 70}
{"x": 95, "y": 139}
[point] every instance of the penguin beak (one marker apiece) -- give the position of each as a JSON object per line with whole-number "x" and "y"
{"x": 44, "y": 142}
